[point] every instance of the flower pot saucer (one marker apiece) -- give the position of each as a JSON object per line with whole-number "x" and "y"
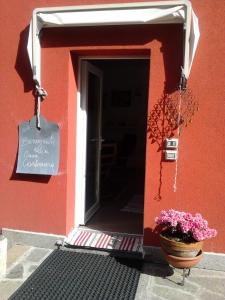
{"x": 183, "y": 262}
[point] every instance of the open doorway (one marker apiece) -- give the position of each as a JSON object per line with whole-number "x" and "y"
{"x": 116, "y": 94}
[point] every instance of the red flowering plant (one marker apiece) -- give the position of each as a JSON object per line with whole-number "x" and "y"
{"x": 184, "y": 227}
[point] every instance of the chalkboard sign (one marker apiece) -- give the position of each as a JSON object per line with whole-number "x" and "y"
{"x": 38, "y": 148}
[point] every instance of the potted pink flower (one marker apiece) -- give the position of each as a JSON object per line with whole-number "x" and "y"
{"x": 182, "y": 235}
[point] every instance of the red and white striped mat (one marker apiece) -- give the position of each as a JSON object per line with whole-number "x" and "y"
{"x": 102, "y": 240}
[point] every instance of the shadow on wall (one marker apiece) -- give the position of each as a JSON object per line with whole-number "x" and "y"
{"x": 170, "y": 112}
{"x": 122, "y": 37}
{"x": 103, "y": 37}
{"x": 163, "y": 119}
{"x": 170, "y": 36}
{"x": 22, "y": 64}
{"x": 23, "y": 68}
{"x": 166, "y": 117}
{"x": 29, "y": 177}
{"x": 151, "y": 236}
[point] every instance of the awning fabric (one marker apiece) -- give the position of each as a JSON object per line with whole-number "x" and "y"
{"x": 162, "y": 12}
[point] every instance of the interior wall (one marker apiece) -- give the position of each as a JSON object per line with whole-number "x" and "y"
{"x": 125, "y": 95}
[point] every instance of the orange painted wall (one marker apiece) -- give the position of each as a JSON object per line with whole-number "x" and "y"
{"x": 47, "y": 204}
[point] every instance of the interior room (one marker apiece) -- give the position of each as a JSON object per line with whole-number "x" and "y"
{"x": 124, "y": 119}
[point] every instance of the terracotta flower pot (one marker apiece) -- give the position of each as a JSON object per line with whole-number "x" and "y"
{"x": 183, "y": 262}
{"x": 180, "y": 249}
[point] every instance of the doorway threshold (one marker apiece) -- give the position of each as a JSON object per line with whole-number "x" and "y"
{"x": 120, "y": 243}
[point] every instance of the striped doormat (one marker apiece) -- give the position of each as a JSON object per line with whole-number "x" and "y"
{"x": 104, "y": 240}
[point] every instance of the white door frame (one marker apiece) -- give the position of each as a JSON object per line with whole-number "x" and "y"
{"x": 86, "y": 68}
{"x": 81, "y": 139}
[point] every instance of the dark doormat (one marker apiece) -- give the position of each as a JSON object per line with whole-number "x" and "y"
{"x": 79, "y": 276}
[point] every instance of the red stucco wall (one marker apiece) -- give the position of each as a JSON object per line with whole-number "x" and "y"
{"x": 200, "y": 182}
{"x": 47, "y": 204}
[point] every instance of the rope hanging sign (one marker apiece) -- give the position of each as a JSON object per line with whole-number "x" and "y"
{"x": 39, "y": 142}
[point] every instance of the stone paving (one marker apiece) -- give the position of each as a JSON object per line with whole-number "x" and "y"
{"x": 157, "y": 282}
{"x": 161, "y": 282}
{"x": 21, "y": 262}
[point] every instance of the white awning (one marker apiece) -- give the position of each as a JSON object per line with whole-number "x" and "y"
{"x": 162, "y": 12}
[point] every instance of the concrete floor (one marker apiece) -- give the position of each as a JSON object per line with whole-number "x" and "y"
{"x": 157, "y": 282}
